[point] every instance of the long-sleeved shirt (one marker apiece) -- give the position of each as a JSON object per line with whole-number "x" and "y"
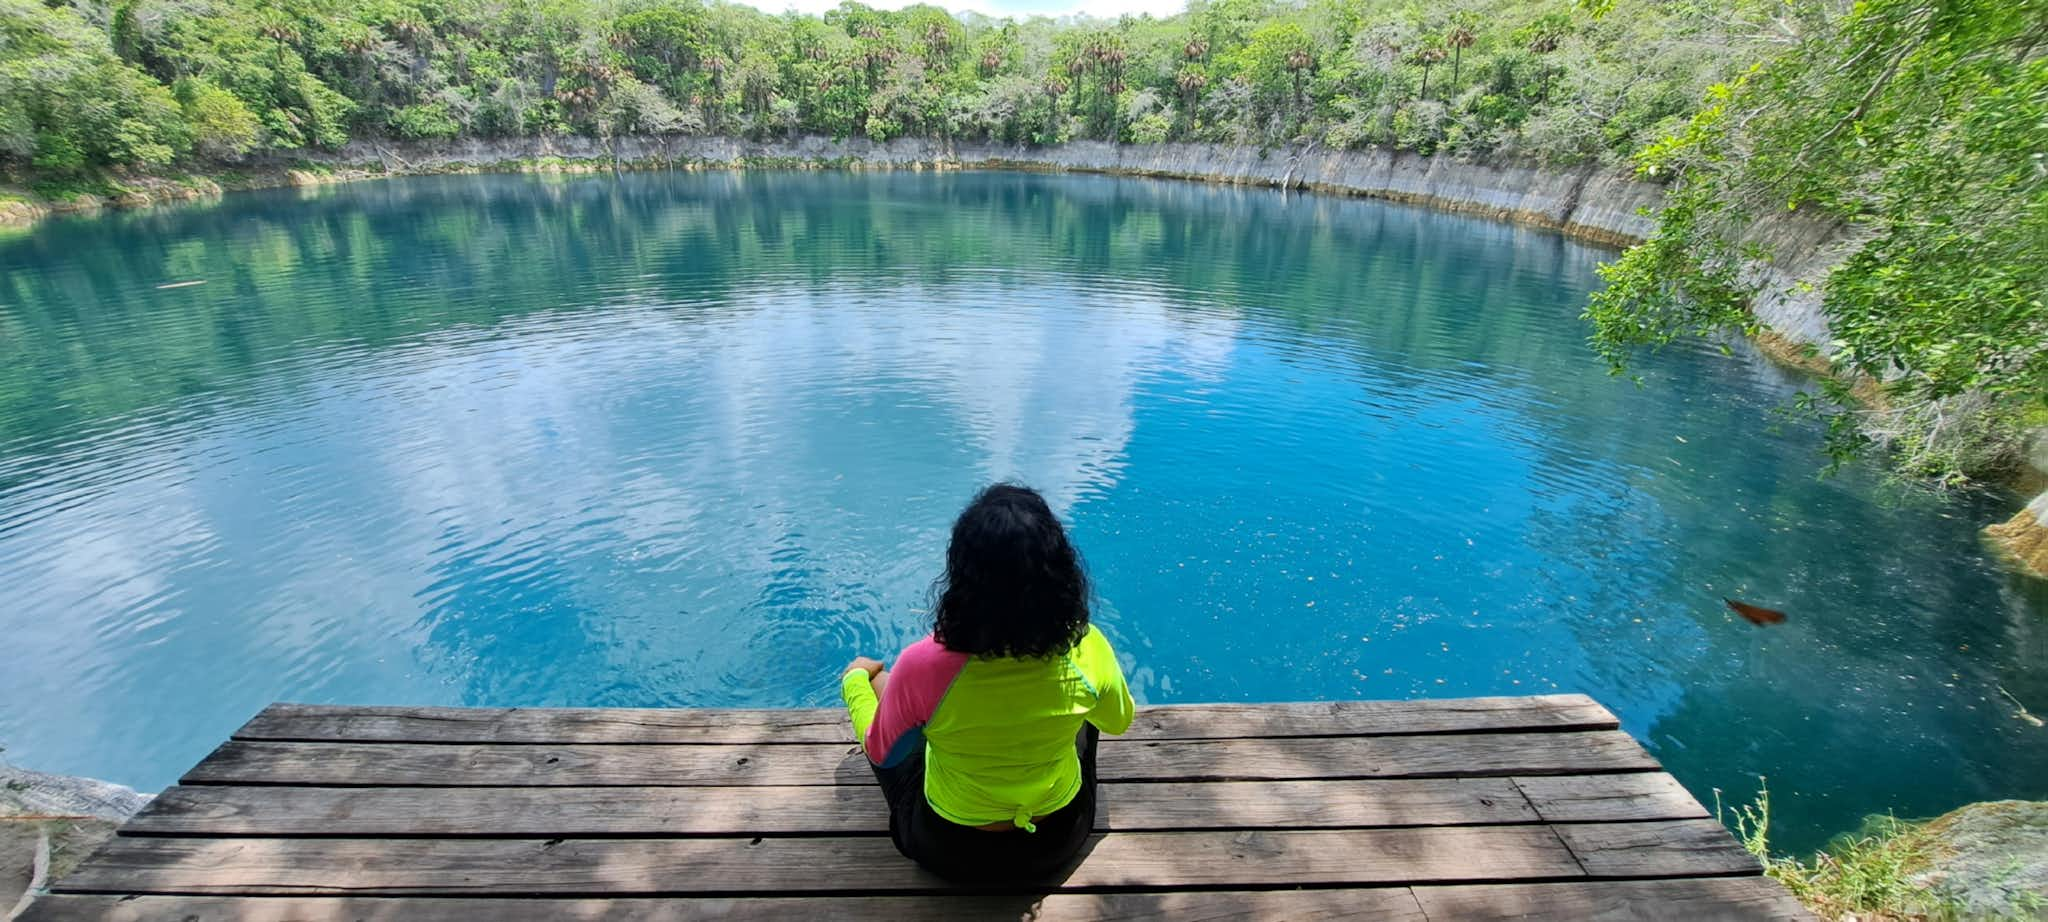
{"x": 997, "y": 733}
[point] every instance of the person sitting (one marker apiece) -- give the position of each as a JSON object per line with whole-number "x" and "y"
{"x": 983, "y": 736}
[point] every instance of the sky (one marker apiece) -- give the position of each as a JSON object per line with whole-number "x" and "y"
{"x": 1107, "y": 9}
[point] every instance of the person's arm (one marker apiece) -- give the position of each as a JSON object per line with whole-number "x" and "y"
{"x": 891, "y": 725}
{"x": 1113, "y": 708}
{"x": 857, "y": 689}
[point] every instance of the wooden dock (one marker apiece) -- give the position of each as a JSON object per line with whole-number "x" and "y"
{"x": 1485, "y": 808}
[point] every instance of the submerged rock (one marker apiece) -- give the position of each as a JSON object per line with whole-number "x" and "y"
{"x": 1991, "y": 859}
{"x": 49, "y": 823}
{"x": 2025, "y": 536}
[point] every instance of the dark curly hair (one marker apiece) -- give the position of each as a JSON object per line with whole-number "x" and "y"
{"x": 1013, "y": 585}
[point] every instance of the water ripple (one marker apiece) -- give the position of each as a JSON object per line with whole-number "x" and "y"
{"x": 696, "y": 440}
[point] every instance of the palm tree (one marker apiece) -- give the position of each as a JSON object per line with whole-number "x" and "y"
{"x": 1298, "y": 62}
{"x": 1428, "y": 56}
{"x": 1461, "y": 38}
{"x": 938, "y": 42}
{"x": 1190, "y": 79}
{"x": 1543, "y": 37}
{"x": 1055, "y": 86}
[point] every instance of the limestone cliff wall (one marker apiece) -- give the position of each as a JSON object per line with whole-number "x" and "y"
{"x": 1788, "y": 287}
{"x": 1595, "y": 202}
{"x": 1590, "y": 201}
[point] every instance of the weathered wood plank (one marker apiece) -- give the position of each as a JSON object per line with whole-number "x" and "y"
{"x": 477, "y": 867}
{"x": 1671, "y": 848}
{"x": 428, "y": 764}
{"x": 1394, "y": 904}
{"x": 1713, "y": 899}
{"x": 255, "y": 762}
{"x": 1468, "y": 755}
{"x": 624, "y": 867}
{"x": 1371, "y": 718}
{"x": 1310, "y": 804}
{"x": 286, "y": 721}
{"x": 1585, "y": 798}
{"x": 224, "y": 810}
{"x": 1364, "y": 856}
{"x": 544, "y": 812}
{"x": 307, "y": 722}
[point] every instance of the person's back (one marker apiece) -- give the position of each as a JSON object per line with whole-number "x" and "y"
{"x": 983, "y": 735}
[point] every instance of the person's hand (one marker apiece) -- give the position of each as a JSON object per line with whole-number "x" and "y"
{"x": 873, "y": 667}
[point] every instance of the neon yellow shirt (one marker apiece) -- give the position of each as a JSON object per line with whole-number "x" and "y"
{"x": 997, "y": 733}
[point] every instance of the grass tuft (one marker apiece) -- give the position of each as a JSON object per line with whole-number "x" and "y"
{"x": 1863, "y": 876}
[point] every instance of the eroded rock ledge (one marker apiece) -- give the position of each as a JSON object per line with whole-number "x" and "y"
{"x": 1990, "y": 859}
{"x": 2024, "y": 537}
{"x": 48, "y": 823}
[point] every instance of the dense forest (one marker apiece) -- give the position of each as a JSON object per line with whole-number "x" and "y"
{"x": 143, "y": 83}
{"x": 1917, "y": 124}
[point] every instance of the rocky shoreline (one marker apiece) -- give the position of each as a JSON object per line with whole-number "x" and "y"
{"x": 1987, "y": 860}
{"x": 49, "y": 823}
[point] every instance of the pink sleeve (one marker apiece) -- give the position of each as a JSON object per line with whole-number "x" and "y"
{"x": 916, "y": 685}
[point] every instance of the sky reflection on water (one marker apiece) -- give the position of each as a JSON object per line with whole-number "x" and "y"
{"x": 690, "y": 440}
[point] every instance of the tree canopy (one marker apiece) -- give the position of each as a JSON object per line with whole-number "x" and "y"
{"x": 136, "y": 84}
{"x": 1921, "y": 126}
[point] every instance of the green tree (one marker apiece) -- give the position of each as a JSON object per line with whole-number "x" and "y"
{"x": 221, "y": 125}
{"x": 71, "y": 105}
{"x": 1922, "y": 125}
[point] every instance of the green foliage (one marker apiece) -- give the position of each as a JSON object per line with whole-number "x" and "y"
{"x": 289, "y": 74}
{"x": 221, "y": 123}
{"x": 430, "y": 120}
{"x": 68, "y": 105}
{"x": 1918, "y": 127}
{"x": 1681, "y": 281}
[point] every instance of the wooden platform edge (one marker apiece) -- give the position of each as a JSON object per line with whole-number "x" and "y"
{"x": 1708, "y": 899}
{"x": 1457, "y": 808}
{"x": 841, "y": 865}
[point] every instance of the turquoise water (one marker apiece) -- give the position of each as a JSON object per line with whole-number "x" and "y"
{"x": 695, "y": 440}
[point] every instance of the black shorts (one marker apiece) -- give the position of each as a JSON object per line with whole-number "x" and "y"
{"x": 969, "y": 855}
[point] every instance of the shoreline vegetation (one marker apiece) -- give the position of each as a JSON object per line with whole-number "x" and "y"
{"x": 1986, "y": 860}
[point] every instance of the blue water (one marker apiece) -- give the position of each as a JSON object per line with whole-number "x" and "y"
{"x": 695, "y": 440}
